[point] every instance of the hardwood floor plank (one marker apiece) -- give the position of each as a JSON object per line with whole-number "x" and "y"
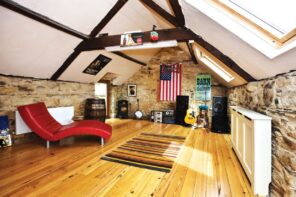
{"x": 212, "y": 168}
{"x": 189, "y": 183}
{"x": 222, "y": 180}
{"x": 234, "y": 179}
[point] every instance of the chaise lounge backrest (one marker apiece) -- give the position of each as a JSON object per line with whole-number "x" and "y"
{"x": 39, "y": 119}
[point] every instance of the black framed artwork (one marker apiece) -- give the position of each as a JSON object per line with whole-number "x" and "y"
{"x": 131, "y": 90}
{"x": 97, "y": 65}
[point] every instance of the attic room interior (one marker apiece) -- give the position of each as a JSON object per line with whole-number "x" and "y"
{"x": 148, "y": 98}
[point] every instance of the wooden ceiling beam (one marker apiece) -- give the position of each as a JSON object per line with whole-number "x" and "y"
{"x": 223, "y": 58}
{"x": 178, "y": 12}
{"x": 159, "y": 10}
{"x": 193, "y": 57}
{"x": 179, "y": 34}
{"x": 65, "y": 65}
{"x": 40, "y": 18}
{"x": 119, "y": 4}
{"x": 129, "y": 58}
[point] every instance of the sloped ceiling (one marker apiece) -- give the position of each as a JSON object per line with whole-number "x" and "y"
{"x": 123, "y": 68}
{"x": 29, "y": 48}
{"x": 247, "y": 57}
{"x": 32, "y": 49}
{"x": 80, "y": 15}
{"x": 135, "y": 16}
{"x": 142, "y": 55}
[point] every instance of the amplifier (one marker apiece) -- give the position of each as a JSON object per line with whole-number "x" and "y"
{"x": 158, "y": 116}
{"x": 168, "y": 117}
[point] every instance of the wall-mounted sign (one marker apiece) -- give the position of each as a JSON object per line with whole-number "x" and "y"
{"x": 131, "y": 39}
{"x": 97, "y": 65}
{"x": 203, "y": 87}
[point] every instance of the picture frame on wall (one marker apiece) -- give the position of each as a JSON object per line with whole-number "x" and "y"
{"x": 131, "y": 90}
{"x": 131, "y": 39}
{"x": 203, "y": 87}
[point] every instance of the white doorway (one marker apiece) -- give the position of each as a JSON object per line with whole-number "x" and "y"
{"x": 101, "y": 92}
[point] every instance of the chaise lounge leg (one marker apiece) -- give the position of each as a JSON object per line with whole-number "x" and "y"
{"x": 47, "y": 144}
{"x": 102, "y": 141}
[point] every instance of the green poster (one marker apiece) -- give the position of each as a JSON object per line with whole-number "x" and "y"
{"x": 203, "y": 87}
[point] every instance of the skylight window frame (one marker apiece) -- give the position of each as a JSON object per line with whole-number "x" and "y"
{"x": 276, "y": 40}
{"x": 215, "y": 65}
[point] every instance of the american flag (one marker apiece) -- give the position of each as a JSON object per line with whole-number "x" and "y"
{"x": 170, "y": 82}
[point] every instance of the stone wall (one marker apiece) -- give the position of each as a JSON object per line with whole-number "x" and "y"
{"x": 147, "y": 81}
{"x": 15, "y": 91}
{"x": 275, "y": 97}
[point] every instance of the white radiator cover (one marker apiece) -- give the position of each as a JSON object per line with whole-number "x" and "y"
{"x": 63, "y": 115}
{"x": 251, "y": 141}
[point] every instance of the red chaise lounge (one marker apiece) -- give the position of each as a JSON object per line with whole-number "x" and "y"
{"x": 37, "y": 117}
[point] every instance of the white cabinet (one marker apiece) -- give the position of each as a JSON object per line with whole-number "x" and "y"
{"x": 251, "y": 141}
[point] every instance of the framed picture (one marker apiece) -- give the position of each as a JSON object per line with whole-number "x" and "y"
{"x": 203, "y": 87}
{"x": 97, "y": 65}
{"x": 131, "y": 90}
{"x": 131, "y": 39}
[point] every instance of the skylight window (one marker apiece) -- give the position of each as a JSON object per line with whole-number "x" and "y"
{"x": 268, "y": 26}
{"x": 277, "y": 15}
{"x": 213, "y": 65}
{"x": 272, "y": 18}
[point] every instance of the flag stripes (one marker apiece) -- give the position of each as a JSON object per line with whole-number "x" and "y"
{"x": 170, "y": 82}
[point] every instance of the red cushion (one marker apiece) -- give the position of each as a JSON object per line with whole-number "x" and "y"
{"x": 42, "y": 123}
{"x": 39, "y": 120}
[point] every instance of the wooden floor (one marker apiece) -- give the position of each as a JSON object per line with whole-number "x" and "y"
{"x": 206, "y": 166}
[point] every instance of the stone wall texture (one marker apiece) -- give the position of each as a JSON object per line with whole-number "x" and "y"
{"x": 147, "y": 81}
{"x": 275, "y": 97}
{"x": 15, "y": 91}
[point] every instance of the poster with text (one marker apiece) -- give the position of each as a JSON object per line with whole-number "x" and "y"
{"x": 203, "y": 87}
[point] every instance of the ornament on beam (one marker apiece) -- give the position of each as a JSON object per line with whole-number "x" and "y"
{"x": 153, "y": 34}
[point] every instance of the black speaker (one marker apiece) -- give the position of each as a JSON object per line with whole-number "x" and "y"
{"x": 181, "y": 108}
{"x": 219, "y": 106}
{"x": 219, "y": 115}
{"x": 122, "y": 109}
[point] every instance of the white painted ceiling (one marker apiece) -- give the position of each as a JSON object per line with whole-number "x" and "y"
{"x": 123, "y": 68}
{"x": 80, "y": 15}
{"x": 29, "y": 48}
{"x": 135, "y": 16}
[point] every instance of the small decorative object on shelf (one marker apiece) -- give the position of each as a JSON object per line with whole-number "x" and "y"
{"x": 131, "y": 39}
{"x": 153, "y": 35}
{"x": 5, "y": 137}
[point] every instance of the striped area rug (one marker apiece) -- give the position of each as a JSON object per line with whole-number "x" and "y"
{"x": 150, "y": 151}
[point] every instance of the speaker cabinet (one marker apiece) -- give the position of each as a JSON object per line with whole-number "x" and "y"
{"x": 122, "y": 109}
{"x": 219, "y": 115}
{"x": 181, "y": 108}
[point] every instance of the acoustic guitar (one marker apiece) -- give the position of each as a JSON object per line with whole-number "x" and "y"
{"x": 190, "y": 118}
